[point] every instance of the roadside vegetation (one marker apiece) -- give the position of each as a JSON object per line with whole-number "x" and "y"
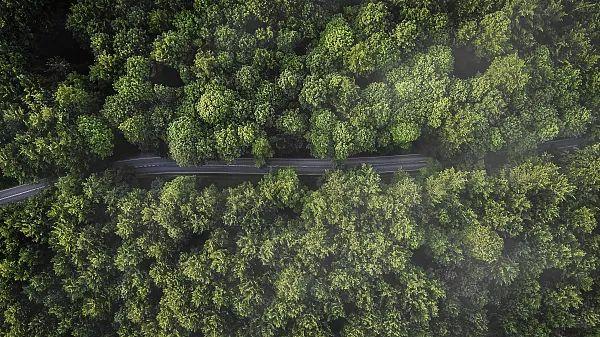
{"x": 447, "y": 253}
{"x": 225, "y": 79}
{"x": 472, "y": 246}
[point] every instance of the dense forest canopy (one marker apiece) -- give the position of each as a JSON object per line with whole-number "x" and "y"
{"x": 50, "y": 109}
{"x": 489, "y": 240}
{"x": 447, "y": 253}
{"x": 223, "y": 79}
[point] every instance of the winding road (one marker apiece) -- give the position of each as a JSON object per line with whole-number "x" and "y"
{"x": 152, "y": 165}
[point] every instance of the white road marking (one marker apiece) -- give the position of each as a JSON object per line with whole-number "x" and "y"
{"x": 31, "y": 190}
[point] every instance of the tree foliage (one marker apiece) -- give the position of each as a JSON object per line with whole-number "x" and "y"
{"x": 51, "y": 134}
{"x": 330, "y": 79}
{"x": 381, "y": 75}
{"x": 447, "y": 253}
{"x": 49, "y": 123}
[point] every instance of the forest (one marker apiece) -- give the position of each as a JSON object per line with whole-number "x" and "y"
{"x": 444, "y": 253}
{"x": 329, "y": 79}
{"x": 494, "y": 238}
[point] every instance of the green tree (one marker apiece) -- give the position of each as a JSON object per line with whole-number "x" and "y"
{"x": 98, "y": 136}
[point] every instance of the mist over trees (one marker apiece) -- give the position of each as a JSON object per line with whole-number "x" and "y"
{"x": 446, "y": 253}
{"x": 473, "y": 245}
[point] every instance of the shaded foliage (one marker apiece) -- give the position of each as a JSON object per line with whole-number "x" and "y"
{"x": 448, "y": 253}
{"x": 340, "y": 78}
{"x": 332, "y": 79}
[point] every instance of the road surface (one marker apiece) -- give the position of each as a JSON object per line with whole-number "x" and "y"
{"x": 21, "y": 192}
{"x": 151, "y": 165}
{"x": 563, "y": 145}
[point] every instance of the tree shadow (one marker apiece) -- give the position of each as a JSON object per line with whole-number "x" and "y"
{"x": 467, "y": 64}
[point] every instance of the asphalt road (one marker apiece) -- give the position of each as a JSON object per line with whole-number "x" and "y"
{"x": 563, "y": 145}
{"x": 151, "y": 165}
{"x": 21, "y": 192}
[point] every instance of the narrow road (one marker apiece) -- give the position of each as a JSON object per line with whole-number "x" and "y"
{"x": 21, "y": 192}
{"x": 151, "y": 165}
{"x": 562, "y": 145}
